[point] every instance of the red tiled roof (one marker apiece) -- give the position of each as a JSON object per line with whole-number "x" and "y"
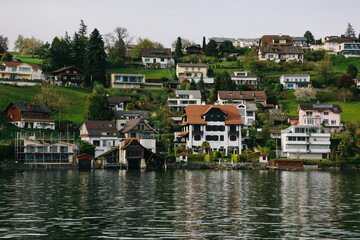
{"x": 15, "y": 64}
{"x": 195, "y": 112}
{"x": 242, "y": 95}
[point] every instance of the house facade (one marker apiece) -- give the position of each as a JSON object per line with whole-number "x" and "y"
{"x": 246, "y": 42}
{"x": 140, "y": 129}
{"x": 295, "y": 81}
{"x": 68, "y": 76}
{"x": 245, "y": 78}
{"x": 157, "y": 57}
{"x": 183, "y": 98}
{"x": 29, "y": 115}
{"x": 349, "y": 49}
{"x": 316, "y": 114}
{"x": 305, "y": 141}
{"x": 122, "y": 80}
{"x": 241, "y": 97}
{"x": 218, "y": 125}
{"x": 18, "y": 70}
{"x": 281, "y": 54}
{"x": 118, "y": 103}
{"x": 102, "y": 134}
{"x": 300, "y": 41}
{"x": 123, "y": 117}
{"x": 191, "y": 71}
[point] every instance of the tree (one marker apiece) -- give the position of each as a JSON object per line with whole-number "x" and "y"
{"x": 142, "y": 43}
{"x": 309, "y": 37}
{"x": 18, "y": 42}
{"x": 95, "y": 60}
{"x": 205, "y": 146}
{"x": 211, "y": 49}
{"x": 192, "y": 85}
{"x": 350, "y": 32}
{"x": 226, "y": 47}
{"x": 97, "y": 106}
{"x": 4, "y": 42}
{"x": 29, "y": 46}
{"x": 6, "y": 57}
{"x": 352, "y": 70}
{"x": 43, "y": 51}
{"x": 178, "y": 49}
{"x": 250, "y": 61}
{"x": 345, "y": 95}
{"x": 60, "y": 53}
{"x": 223, "y": 82}
{"x": 325, "y": 69}
{"x": 201, "y": 84}
{"x": 185, "y": 43}
{"x": 55, "y": 101}
{"x": 204, "y": 44}
{"x": 116, "y": 43}
{"x": 344, "y": 81}
{"x": 86, "y": 147}
{"x": 305, "y": 94}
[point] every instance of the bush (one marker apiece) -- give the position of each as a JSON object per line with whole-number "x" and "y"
{"x": 208, "y": 158}
{"x": 235, "y": 157}
{"x": 196, "y": 157}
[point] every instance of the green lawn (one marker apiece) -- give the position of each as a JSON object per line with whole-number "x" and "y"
{"x": 28, "y": 58}
{"x": 149, "y": 72}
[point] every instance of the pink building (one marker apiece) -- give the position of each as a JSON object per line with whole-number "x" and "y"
{"x": 315, "y": 114}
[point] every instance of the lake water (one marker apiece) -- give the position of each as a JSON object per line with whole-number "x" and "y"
{"x": 179, "y": 205}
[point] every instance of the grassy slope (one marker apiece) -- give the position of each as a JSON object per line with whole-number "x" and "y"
{"x": 27, "y": 58}
{"x": 149, "y": 72}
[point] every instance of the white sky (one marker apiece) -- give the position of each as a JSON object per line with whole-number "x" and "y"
{"x": 165, "y": 20}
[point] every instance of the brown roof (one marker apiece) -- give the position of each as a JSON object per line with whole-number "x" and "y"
{"x": 242, "y": 95}
{"x": 335, "y": 108}
{"x": 66, "y": 68}
{"x": 195, "y": 112}
{"x": 156, "y": 52}
{"x": 282, "y": 50}
{"x": 192, "y": 65}
{"x": 133, "y": 123}
{"x": 269, "y": 39}
{"x": 95, "y": 127}
{"x": 118, "y": 99}
{"x": 15, "y": 64}
{"x": 343, "y": 40}
{"x": 29, "y": 107}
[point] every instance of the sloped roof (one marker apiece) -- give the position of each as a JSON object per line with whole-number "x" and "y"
{"x": 118, "y": 99}
{"x": 122, "y": 114}
{"x": 342, "y": 40}
{"x": 299, "y": 38}
{"x": 95, "y": 127}
{"x": 133, "y": 123}
{"x": 269, "y": 39}
{"x": 156, "y": 52}
{"x": 15, "y": 64}
{"x": 282, "y": 49}
{"x": 194, "y": 93}
{"x": 242, "y": 95}
{"x": 194, "y": 113}
{"x": 22, "y": 107}
{"x": 248, "y": 75}
{"x": 66, "y": 68}
{"x": 335, "y": 108}
{"x": 192, "y": 65}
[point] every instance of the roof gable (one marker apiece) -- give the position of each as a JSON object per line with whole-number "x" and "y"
{"x": 194, "y": 113}
{"x": 29, "y": 107}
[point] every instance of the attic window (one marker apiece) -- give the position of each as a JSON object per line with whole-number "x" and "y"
{"x": 101, "y": 125}
{"x": 110, "y": 124}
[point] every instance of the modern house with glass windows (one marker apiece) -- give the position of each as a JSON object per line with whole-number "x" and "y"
{"x": 183, "y": 98}
{"x": 218, "y": 125}
{"x": 102, "y": 134}
{"x": 349, "y": 49}
{"x": 123, "y": 80}
{"x": 157, "y": 57}
{"x": 19, "y": 70}
{"x": 294, "y": 81}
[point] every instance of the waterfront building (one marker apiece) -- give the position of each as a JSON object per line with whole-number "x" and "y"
{"x": 124, "y": 80}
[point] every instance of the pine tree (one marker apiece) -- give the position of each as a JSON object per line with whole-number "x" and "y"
{"x": 309, "y": 37}
{"x": 79, "y": 47}
{"x": 350, "y": 32}
{"x": 211, "y": 49}
{"x": 204, "y": 44}
{"x": 98, "y": 107}
{"x": 201, "y": 83}
{"x": 178, "y": 53}
{"x": 95, "y": 60}
{"x": 60, "y": 53}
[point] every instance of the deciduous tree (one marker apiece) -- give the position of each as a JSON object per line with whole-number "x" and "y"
{"x": 345, "y": 95}
{"x": 352, "y": 70}
{"x": 18, "y": 42}
{"x": 52, "y": 99}
{"x": 86, "y": 147}
{"x": 141, "y": 43}
{"x": 4, "y": 42}
{"x": 98, "y": 107}
{"x": 325, "y": 69}
{"x": 344, "y": 81}
{"x": 305, "y": 94}
{"x": 29, "y": 45}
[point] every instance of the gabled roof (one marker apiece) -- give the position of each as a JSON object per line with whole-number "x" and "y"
{"x": 269, "y": 39}
{"x": 22, "y": 107}
{"x": 123, "y": 114}
{"x": 118, "y": 99}
{"x": 15, "y": 64}
{"x": 282, "y": 49}
{"x": 299, "y": 38}
{"x": 201, "y": 65}
{"x": 133, "y": 123}
{"x": 342, "y": 40}
{"x": 66, "y": 68}
{"x": 194, "y": 113}
{"x": 248, "y": 75}
{"x": 156, "y": 52}
{"x": 96, "y": 127}
{"x": 335, "y": 108}
{"x": 194, "y": 93}
{"x": 242, "y": 95}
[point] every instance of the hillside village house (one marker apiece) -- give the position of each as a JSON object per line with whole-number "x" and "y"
{"x": 281, "y": 54}
{"x": 246, "y": 42}
{"x": 29, "y": 115}
{"x": 316, "y": 114}
{"x": 241, "y": 97}
{"x": 191, "y": 71}
{"x": 123, "y": 80}
{"x": 157, "y": 57}
{"x": 276, "y": 40}
{"x": 245, "y": 78}
{"x": 219, "y": 125}
{"x": 19, "y": 70}
{"x": 338, "y": 45}
{"x": 300, "y": 41}
{"x": 332, "y": 43}
{"x": 68, "y": 76}
{"x": 118, "y": 103}
{"x": 140, "y": 129}
{"x": 220, "y": 40}
{"x": 349, "y": 49}
{"x": 295, "y": 81}
{"x": 123, "y": 117}
{"x": 305, "y": 141}
{"x": 102, "y": 134}
{"x": 184, "y": 98}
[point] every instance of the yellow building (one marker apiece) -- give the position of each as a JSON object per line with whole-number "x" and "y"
{"x": 191, "y": 71}
{"x": 120, "y": 80}
{"x": 18, "y": 70}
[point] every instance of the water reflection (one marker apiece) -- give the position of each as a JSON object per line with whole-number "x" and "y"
{"x": 179, "y": 204}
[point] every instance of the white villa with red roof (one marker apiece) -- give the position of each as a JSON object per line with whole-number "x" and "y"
{"x": 19, "y": 70}
{"x": 218, "y": 125}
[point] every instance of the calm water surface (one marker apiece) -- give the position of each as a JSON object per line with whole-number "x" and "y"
{"x": 179, "y": 205}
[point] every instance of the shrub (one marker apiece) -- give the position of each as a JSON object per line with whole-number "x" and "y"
{"x": 235, "y": 157}
{"x": 196, "y": 157}
{"x": 207, "y": 158}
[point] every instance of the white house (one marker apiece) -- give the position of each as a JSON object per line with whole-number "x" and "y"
{"x": 294, "y": 81}
{"x": 349, "y": 49}
{"x": 305, "y": 141}
{"x": 123, "y": 117}
{"x": 102, "y": 134}
{"x": 118, "y": 103}
{"x": 183, "y": 99}
{"x": 247, "y": 112}
{"x": 331, "y": 43}
{"x": 157, "y": 57}
{"x": 300, "y": 41}
{"x": 239, "y": 97}
{"x": 246, "y": 42}
{"x": 218, "y": 125}
{"x": 244, "y": 78}
{"x": 281, "y": 53}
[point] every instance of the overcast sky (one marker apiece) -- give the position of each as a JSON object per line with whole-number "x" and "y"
{"x": 165, "y": 20}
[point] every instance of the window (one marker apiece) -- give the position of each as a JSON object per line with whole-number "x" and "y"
{"x": 296, "y": 80}
{"x": 42, "y": 149}
{"x": 221, "y": 138}
{"x": 310, "y": 121}
{"x": 291, "y": 138}
{"x": 290, "y": 85}
{"x": 333, "y": 122}
{"x": 44, "y": 117}
{"x": 63, "y": 149}
{"x": 96, "y": 143}
{"x": 162, "y": 59}
{"x": 212, "y": 138}
{"x": 287, "y": 80}
{"x": 133, "y": 135}
{"x": 147, "y": 60}
{"x": 30, "y": 149}
{"x": 104, "y": 143}
{"x": 233, "y": 138}
{"x": 299, "y": 130}
{"x": 232, "y": 128}
{"x": 326, "y": 113}
{"x": 309, "y": 114}
{"x": 249, "y": 114}
{"x": 197, "y": 137}
{"x": 301, "y": 138}
{"x": 24, "y": 69}
{"x": 53, "y": 149}
{"x": 146, "y": 135}
{"x": 26, "y": 116}
{"x": 326, "y": 121}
